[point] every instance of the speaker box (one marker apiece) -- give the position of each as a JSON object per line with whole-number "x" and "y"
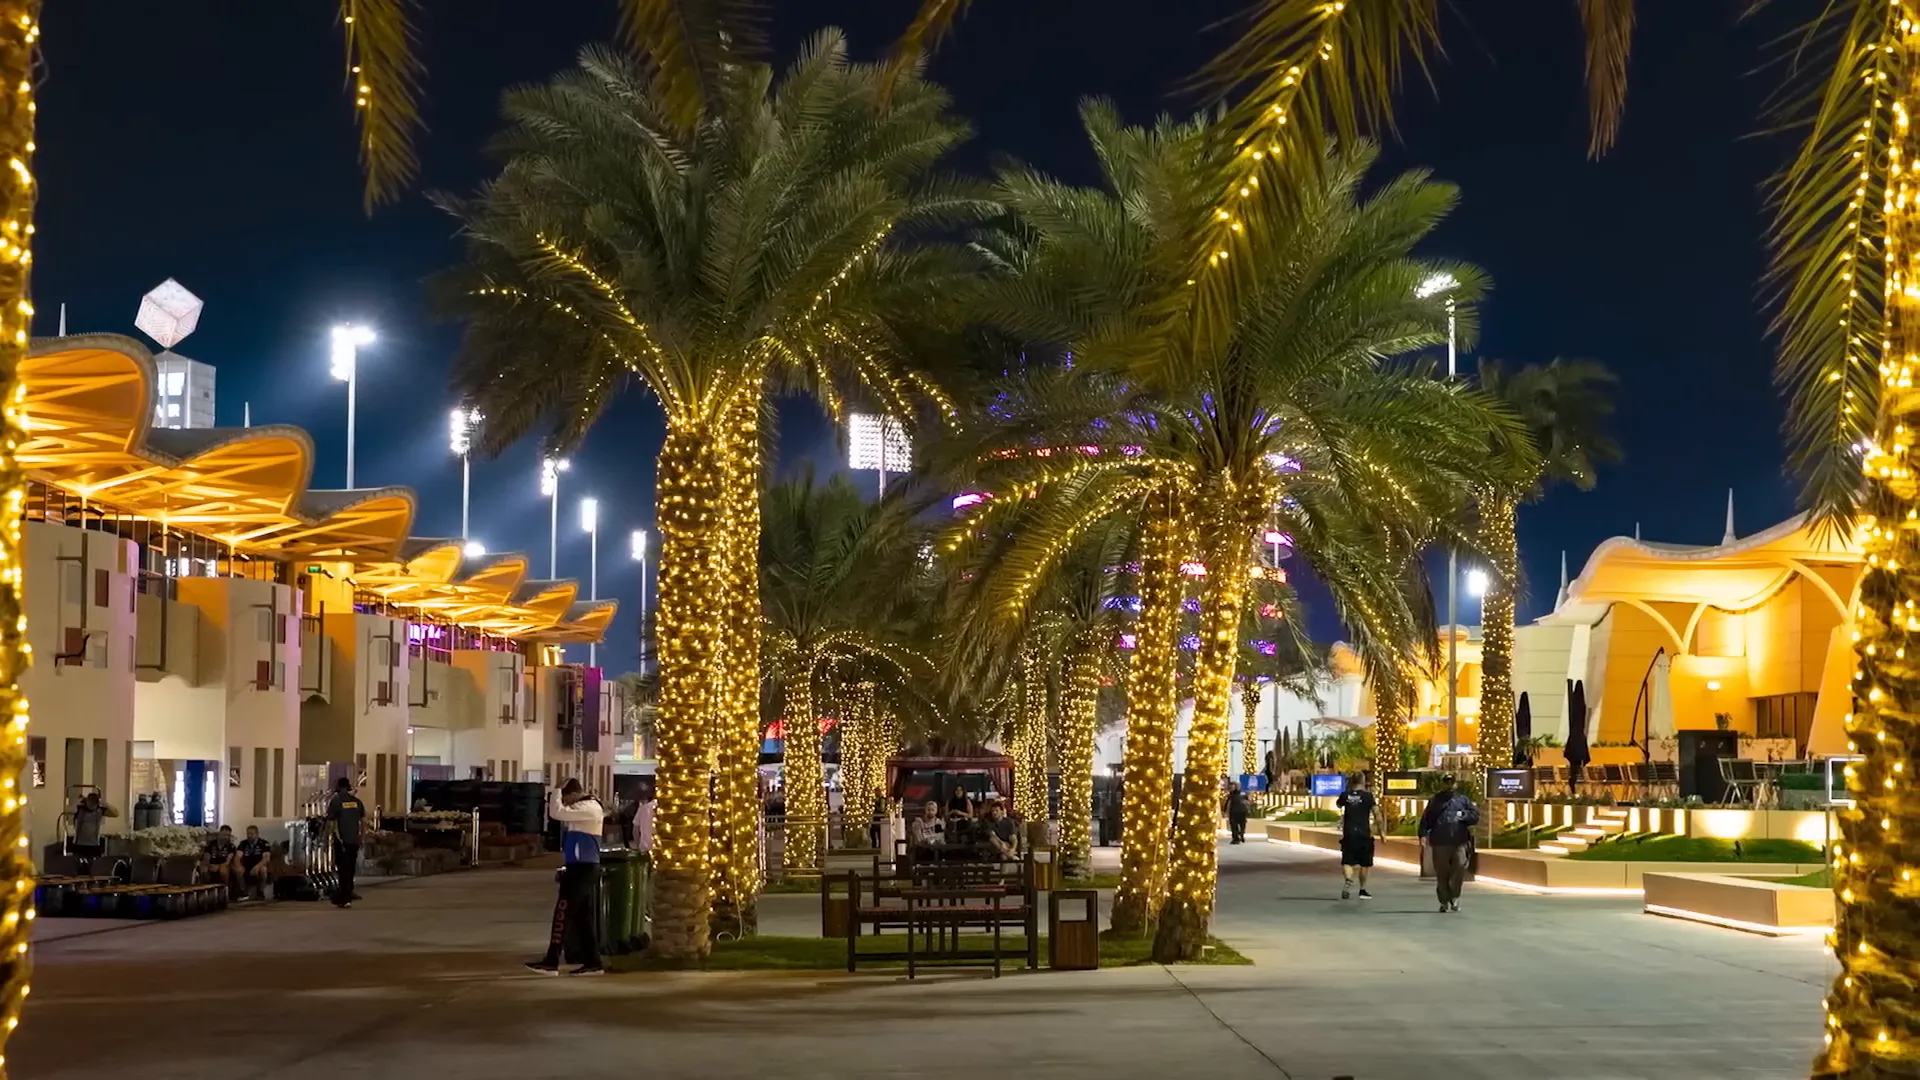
{"x": 1700, "y": 754}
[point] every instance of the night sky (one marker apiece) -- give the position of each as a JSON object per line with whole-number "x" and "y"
{"x": 211, "y": 141}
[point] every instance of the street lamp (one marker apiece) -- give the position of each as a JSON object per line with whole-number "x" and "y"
{"x": 875, "y": 441}
{"x": 550, "y": 470}
{"x": 473, "y": 549}
{"x": 639, "y": 551}
{"x": 1434, "y": 285}
{"x": 460, "y": 428}
{"x": 590, "y": 524}
{"x": 1477, "y": 583}
{"x": 347, "y": 340}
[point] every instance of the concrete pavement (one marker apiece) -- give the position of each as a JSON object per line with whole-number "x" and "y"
{"x": 422, "y": 979}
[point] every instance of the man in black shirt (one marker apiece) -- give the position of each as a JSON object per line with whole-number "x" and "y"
{"x": 218, "y": 853}
{"x": 347, "y": 814}
{"x": 253, "y": 853}
{"x": 1358, "y": 827}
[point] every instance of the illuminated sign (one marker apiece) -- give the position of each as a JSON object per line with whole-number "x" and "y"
{"x": 1328, "y": 783}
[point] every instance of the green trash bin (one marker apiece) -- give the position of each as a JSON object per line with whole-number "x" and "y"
{"x": 619, "y": 881}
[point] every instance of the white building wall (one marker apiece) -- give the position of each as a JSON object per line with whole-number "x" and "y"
{"x": 1545, "y": 656}
{"x": 80, "y": 602}
{"x": 500, "y": 744}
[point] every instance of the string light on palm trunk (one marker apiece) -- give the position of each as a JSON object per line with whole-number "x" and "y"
{"x": 19, "y": 35}
{"x": 1876, "y": 938}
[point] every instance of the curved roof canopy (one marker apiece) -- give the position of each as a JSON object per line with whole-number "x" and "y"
{"x": 87, "y": 407}
{"x": 1733, "y": 576}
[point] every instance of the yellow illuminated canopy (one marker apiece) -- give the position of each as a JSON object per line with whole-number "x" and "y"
{"x": 87, "y": 406}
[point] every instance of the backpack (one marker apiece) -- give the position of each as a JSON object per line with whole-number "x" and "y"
{"x": 1459, "y": 816}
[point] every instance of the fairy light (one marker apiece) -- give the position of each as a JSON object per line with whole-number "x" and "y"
{"x": 1266, "y": 142}
{"x": 1079, "y": 716}
{"x": 736, "y": 718}
{"x": 19, "y": 34}
{"x": 1250, "y": 727}
{"x": 1239, "y": 508}
{"x": 1876, "y": 939}
{"x": 688, "y": 487}
{"x": 1147, "y": 769}
{"x": 1030, "y": 738}
{"x": 1495, "y": 742}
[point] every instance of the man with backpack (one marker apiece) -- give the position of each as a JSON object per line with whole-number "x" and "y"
{"x": 1447, "y": 828}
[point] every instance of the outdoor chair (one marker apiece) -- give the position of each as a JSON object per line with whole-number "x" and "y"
{"x": 1615, "y": 777}
{"x": 1666, "y": 778}
{"x": 1544, "y": 779}
{"x": 1743, "y": 783}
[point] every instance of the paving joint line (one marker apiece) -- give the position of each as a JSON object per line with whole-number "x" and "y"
{"x": 1235, "y": 1032}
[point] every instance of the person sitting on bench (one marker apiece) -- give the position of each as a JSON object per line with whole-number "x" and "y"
{"x": 999, "y": 835}
{"x": 926, "y": 831}
{"x": 254, "y": 858}
{"x": 222, "y": 860}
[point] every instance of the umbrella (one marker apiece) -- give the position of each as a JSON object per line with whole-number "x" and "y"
{"x": 1660, "y": 701}
{"x": 1577, "y": 753}
{"x": 1523, "y": 732}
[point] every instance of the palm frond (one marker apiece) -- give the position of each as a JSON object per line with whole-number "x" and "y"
{"x": 921, "y": 38}
{"x": 383, "y": 68}
{"x": 1609, "y": 36}
{"x": 689, "y": 46}
{"x": 1826, "y": 275}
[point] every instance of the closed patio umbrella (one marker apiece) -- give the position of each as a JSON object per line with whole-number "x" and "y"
{"x": 1577, "y": 753}
{"x": 1660, "y": 701}
{"x": 1523, "y": 732}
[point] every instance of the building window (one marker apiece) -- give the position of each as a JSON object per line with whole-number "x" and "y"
{"x": 260, "y": 785}
{"x": 279, "y": 781}
{"x": 1784, "y": 716}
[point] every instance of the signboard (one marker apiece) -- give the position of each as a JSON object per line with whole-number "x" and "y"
{"x": 1510, "y": 783}
{"x": 1328, "y": 783}
{"x": 1252, "y": 782}
{"x": 1401, "y": 783}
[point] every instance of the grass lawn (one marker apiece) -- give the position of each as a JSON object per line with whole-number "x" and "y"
{"x": 1308, "y": 817}
{"x": 1096, "y": 881}
{"x": 1816, "y": 880}
{"x": 822, "y": 954}
{"x": 1699, "y": 849}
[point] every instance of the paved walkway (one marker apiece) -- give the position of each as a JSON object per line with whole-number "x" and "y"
{"x": 421, "y": 979}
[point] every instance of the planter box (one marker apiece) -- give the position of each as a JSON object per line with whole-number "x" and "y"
{"x": 1743, "y": 903}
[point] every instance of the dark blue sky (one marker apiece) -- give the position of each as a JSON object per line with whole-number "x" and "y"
{"x": 210, "y": 141}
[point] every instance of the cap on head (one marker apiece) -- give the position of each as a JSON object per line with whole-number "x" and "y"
{"x": 1446, "y": 780}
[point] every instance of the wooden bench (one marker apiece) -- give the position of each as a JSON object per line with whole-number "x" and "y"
{"x": 935, "y": 921}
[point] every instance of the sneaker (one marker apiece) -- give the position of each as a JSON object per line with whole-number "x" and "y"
{"x": 588, "y": 969}
{"x": 1343, "y": 892}
{"x": 1454, "y": 906}
{"x": 541, "y": 967}
{"x": 1444, "y": 909}
{"x": 1365, "y": 895}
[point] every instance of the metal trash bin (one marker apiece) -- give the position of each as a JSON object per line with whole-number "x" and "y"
{"x": 1073, "y": 944}
{"x": 640, "y": 920}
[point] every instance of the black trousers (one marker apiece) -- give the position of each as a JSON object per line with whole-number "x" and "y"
{"x": 576, "y": 917}
{"x": 1238, "y": 827}
{"x": 345, "y": 858}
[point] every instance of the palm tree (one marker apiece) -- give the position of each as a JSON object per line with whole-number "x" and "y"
{"x": 1296, "y": 415}
{"x": 1565, "y": 406}
{"x": 770, "y": 239}
{"x": 842, "y": 588}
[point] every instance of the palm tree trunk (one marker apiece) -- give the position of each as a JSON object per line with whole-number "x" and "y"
{"x": 1147, "y": 769}
{"x": 1192, "y": 866}
{"x": 856, "y": 760}
{"x": 1391, "y": 708}
{"x": 736, "y": 716}
{"x": 1250, "y": 728}
{"x": 806, "y": 788}
{"x": 19, "y": 33}
{"x": 1030, "y": 739}
{"x": 1871, "y": 1026}
{"x": 1079, "y": 717}
{"x": 1496, "y": 632}
{"x": 689, "y": 486}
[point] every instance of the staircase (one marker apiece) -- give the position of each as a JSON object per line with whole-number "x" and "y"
{"x": 1604, "y": 821}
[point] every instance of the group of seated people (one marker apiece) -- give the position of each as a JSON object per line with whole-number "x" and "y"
{"x": 986, "y": 829}
{"x": 242, "y": 867}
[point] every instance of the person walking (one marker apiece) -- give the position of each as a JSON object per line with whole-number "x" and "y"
{"x": 1447, "y": 829}
{"x": 1237, "y": 814}
{"x": 347, "y": 815}
{"x": 576, "y": 913}
{"x": 1359, "y": 824}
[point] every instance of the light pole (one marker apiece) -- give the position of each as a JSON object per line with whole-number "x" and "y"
{"x": 639, "y": 551}
{"x": 347, "y": 340}
{"x": 877, "y": 441}
{"x": 590, "y": 524}
{"x": 1433, "y": 286}
{"x": 473, "y": 549}
{"x": 550, "y": 470}
{"x": 460, "y": 430}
